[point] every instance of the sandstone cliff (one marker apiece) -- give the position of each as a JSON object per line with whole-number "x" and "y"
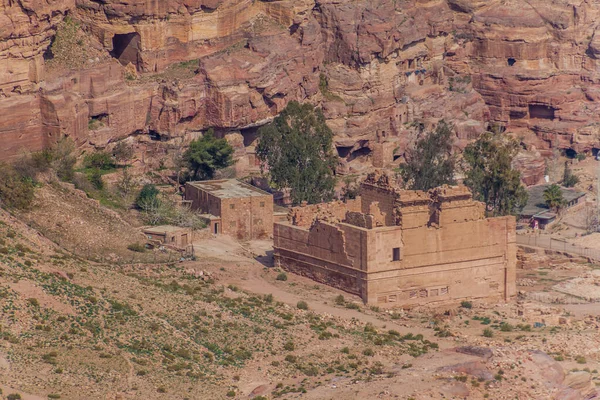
{"x": 379, "y": 69}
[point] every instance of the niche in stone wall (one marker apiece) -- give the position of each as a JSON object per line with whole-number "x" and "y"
{"x": 538, "y": 111}
{"x": 511, "y": 61}
{"x": 126, "y": 48}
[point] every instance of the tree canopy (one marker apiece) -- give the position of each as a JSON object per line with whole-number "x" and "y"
{"x": 569, "y": 178}
{"x": 207, "y": 154}
{"x": 430, "y": 163}
{"x": 490, "y": 176}
{"x": 297, "y": 150}
{"x": 553, "y": 197}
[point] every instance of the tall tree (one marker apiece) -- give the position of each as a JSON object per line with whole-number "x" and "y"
{"x": 490, "y": 176}
{"x": 297, "y": 150}
{"x": 569, "y": 178}
{"x": 430, "y": 163}
{"x": 553, "y": 197}
{"x": 206, "y": 155}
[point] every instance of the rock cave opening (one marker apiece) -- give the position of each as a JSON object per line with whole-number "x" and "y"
{"x": 360, "y": 154}
{"x": 570, "y": 153}
{"x": 344, "y": 151}
{"x": 511, "y": 61}
{"x": 539, "y": 111}
{"x": 126, "y": 48}
{"x": 595, "y": 151}
{"x": 97, "y": 121}
{"x": 250, "y": 135}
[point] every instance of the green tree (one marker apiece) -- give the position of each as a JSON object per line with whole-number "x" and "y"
{"x": 99, "y": 160}
{"x": 569, "y": 179}
{"x": 297, "y": 149}
{"x": 430, "y": 163}
{"x": 148, "y": 197}
{"x": 206, "y": 155}
{"x": 490, "y": 176}
{"x": 553, "y": 197}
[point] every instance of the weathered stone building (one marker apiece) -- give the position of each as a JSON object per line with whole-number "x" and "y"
{"x": 398, "y": 247}
{"x": 170, "y": 236}
{"x": 233, "y": 208}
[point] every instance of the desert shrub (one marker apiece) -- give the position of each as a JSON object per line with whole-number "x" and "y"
{"x": 123, "y": 151}
{"x": 16, "y": 191}
{"x": 580, "y": 360}
{"x": 98, "y": 160}
{"x": 302, "y": 305}
{"x": 289, "y": 346}
{"x": 14, "y": 396}
{"x": 487, "y": 332}
{"x": 54, "y": 396}
{"x": 282, "y": 276}
{"x": 506, "y": 327}
{"x": 33, "y": 301}
{"x": 231, "y": 393}
{"x": 466, "y": 304}
{"x": 95, "y": 177}
{"x": 136, "y": 247}
{"x": 368, "y": 352}
{"x": 339, "y": 300}
{"x": 69, "y": 48}
{"x": 291, "y": 358}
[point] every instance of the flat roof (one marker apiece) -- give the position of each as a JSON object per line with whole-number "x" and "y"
{"x": 162, "y": 229}
{"x": 536, "y": 204}
{"x": 229, "y": 188}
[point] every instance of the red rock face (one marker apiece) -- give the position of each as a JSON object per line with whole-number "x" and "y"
{"x": 379, "y": 69}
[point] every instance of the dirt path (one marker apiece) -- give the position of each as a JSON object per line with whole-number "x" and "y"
{"x": 255, "y": 283}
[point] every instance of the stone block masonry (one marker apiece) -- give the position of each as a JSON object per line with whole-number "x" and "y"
{"x": 233, "y": 208}
{"x": 396, "y": 247}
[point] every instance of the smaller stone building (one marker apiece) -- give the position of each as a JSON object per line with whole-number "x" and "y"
{"x": 233, "y": 207}
{"x": 168, "y": 235}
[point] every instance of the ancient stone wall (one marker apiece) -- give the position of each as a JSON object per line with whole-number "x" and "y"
{"x": 335, "y": 255}
{"x": 335, "y": 211}
{"x": 248, "y": 217}
{"x": 442, "y": 249}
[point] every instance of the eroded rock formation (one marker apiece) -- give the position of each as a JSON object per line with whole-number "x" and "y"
{"x": 380, "y": 69}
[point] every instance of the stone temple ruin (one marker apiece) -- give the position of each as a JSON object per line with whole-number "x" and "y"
{"x": 395, "y": 247}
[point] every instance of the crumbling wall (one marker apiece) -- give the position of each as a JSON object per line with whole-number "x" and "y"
{"x": 335, "y": 211}
{"x": 452, "y": 204}
{"x": 333, "y": 255}
{"x": 377, "y": 188}
{"x": 413, "y": 247}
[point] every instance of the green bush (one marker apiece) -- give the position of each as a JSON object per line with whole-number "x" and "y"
{"x": 302, "y": 305}
{"x": 16, "y": 191}
{"x": 137, "y": 247}
{"x": 33, "y": 301}
{"x": 99, "y": 160}
{"x": 95, "y": 178}
{"x": 123, "y": 151}
{"x": 147, "y": 197}
{"x": 466, "y": 304}
{"x": 487, "y": 332}
{"x": 14, "y": 396}
{"x": 368, "y": 352}
{"x": 506, "y": 327}
{"x": 282, "y": 276}
{"x": 289, "y": 346}
{"x": 339, "y": 300}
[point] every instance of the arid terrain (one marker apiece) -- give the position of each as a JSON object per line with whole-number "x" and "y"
{"x": 91, "y": 311}
{"x": 227, "y": 325}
